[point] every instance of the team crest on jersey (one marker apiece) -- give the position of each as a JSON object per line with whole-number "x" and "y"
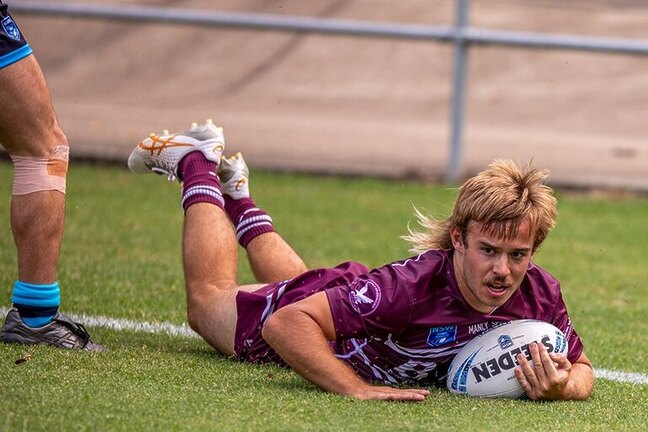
{"x": 364, "y": 296}
{"x": 442, "y": 335}
{"x": 11, "y": 28}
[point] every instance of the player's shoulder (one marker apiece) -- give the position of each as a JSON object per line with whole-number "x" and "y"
{"x": 429, "y": 260}
{"x": 410, "y": 272}
{"x": 415, "y": 272}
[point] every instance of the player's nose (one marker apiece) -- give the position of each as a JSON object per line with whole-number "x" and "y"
{"x": 501, "y": 266}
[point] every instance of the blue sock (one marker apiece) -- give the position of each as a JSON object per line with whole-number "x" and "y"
{"x": 36, "y": 304}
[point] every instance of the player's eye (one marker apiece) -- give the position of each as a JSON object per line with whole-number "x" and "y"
{"x": 488, "y": 251}
{"x": 518, "y": 255}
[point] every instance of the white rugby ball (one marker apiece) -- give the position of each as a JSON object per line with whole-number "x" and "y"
{"x": 484, "y": 366}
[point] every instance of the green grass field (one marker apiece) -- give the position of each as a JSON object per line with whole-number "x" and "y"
{"x": 121, "y": 259}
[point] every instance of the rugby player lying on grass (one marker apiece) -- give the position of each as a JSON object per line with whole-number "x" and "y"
{"x": 362, "y": 333}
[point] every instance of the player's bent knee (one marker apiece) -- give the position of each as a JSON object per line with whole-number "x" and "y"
{"x": 212, "y": 331}
{"x": 213, "y": 317}
{"x": 38, "y": 174}
{"x": 193, "y": 319}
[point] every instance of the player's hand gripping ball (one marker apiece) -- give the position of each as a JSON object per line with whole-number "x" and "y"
{"x": 484, "y": 366}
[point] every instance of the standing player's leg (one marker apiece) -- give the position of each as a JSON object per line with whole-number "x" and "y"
{"x": 209, "y": 247}
{"x": 271, "y": 258}
{"x": 30, "y": 132}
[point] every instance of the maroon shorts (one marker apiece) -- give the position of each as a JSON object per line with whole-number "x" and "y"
{"x": 254, "y": 308}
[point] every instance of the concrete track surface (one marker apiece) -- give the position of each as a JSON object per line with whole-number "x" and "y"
{"x": 360, "y": 106}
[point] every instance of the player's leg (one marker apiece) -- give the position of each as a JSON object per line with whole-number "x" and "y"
{"x": 209, "y": 245}
{"x": 210, "y": 265}
{"x": 271, "y": 258}
{"x": 30, "y": 132}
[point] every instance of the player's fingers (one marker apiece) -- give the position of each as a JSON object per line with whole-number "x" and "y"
{"x": 394, "y": 394}
{"x": 561, "y": 362}
{"x": 547, "y": 364}
{"x": 524, "y": 382}
{"x": 527, "y": 370}
{"x": 538, "y": 365}
{"x": 405, "y": 395}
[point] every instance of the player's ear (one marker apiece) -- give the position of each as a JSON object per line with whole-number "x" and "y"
{"x": 457, "y": 238}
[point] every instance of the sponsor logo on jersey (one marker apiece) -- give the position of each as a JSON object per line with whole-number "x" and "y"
{"x": 442, "y": 335}
{"x": 364, "y": 296}
{"x": 11, "y": 28}
{"x": 478, "y": 328}
{"x": 484, "y": 326}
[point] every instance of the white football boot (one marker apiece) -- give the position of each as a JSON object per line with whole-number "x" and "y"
{"x": 235, "y": 177}
{"x": 162, "y": 153}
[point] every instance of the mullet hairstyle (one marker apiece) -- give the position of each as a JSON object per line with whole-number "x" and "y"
{"x": 500, "y": 198}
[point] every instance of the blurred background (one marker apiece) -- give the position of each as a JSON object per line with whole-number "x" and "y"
{"x": 357, "y": 105}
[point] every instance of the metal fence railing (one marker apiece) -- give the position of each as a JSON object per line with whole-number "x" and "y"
{"x": 461, "y": 35}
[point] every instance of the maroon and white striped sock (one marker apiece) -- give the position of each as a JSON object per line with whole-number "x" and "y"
{"x": 200, "y": 181}
{"x": 249, "y": 220}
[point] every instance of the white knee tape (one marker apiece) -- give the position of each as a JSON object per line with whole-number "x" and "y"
{"x": 36, "y": 174}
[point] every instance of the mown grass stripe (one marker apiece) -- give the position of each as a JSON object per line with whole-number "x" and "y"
{"x": 120, "y": 324}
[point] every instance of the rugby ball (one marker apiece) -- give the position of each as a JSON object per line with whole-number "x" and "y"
{"x": 484, "y": 366}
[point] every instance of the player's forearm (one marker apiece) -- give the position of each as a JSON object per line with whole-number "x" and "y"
{"x": 302, "y": 345}
{"x": 581, "y": 382}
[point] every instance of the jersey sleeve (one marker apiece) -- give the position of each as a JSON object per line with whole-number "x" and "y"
{"x": 562, "y": 321}
{"x": 373, "y": 305}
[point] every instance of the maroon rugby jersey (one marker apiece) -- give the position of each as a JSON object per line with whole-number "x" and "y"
{"x": 404, "y": 322}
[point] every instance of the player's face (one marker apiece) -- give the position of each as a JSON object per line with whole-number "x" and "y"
{"x": 490, "y": 269}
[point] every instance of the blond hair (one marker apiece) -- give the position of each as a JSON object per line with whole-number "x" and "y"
{"x": 500, "y": 198}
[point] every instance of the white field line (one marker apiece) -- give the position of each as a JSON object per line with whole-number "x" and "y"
{"x": 138, "y": 326}
{"x": 184, "y": 330}
{"x": 625, "y": 377}
{"x": 120, "y": 324}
